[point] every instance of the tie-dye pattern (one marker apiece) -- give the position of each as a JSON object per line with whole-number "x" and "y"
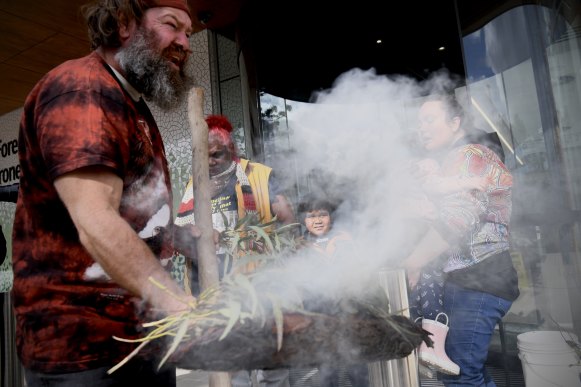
{"x": 78, "y": 115}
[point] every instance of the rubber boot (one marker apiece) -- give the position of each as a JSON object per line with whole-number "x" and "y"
{"x": 436, "y": 357}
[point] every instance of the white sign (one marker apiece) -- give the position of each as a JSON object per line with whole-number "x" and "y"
{"x": 9, "y": 166}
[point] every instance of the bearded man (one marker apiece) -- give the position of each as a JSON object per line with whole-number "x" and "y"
{"x": 94, "y": 193}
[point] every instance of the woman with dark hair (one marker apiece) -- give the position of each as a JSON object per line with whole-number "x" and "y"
{"x": 470, "y": 231}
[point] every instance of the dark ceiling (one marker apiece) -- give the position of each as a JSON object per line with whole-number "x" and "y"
{"x": 304, "y": 45}
{"x": 300, "y": 46}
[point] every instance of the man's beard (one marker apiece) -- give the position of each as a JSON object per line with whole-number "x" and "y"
{"x": 151, "y": 72}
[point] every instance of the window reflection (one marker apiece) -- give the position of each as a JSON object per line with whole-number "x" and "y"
{"x": 524, "y": 82}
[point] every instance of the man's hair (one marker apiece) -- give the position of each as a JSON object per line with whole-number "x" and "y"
{"x": 104, "y": 18}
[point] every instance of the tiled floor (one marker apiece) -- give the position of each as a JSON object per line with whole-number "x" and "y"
{"x": 188, "y": 378}
{"x": 514, "y": 379}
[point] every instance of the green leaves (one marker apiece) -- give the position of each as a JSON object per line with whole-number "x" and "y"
{"x": 252, "y": 243}
{"x": 181, "y": 332}
{"x": 237, "y": 298}
{"x": 233, "y": 315}
{"x": 278, "y": 318}
{"x": 262, "y": 235}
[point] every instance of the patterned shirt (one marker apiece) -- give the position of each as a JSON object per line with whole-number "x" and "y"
{"x": 67, "y": 309}
{"x": 475, "y": 222}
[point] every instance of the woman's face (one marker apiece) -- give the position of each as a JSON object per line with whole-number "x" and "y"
{"x": 436, "y": 129}
{"x": 318, "y": 222}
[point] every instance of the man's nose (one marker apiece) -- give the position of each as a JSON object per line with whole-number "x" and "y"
{"x": 183, "y": 42}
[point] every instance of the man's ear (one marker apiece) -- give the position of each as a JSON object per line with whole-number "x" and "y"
{"x": 124, "y": 27}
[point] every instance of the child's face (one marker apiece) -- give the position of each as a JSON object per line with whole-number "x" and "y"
{"x": 318, "y": 222}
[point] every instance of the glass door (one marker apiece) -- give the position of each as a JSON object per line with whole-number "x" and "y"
{"x": 523, "y": 73}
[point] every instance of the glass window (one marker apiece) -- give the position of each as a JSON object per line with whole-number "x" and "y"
{"x": 524, "y": 82}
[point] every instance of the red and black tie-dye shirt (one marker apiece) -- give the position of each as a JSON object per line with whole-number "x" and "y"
{"x": 67, "y": 310}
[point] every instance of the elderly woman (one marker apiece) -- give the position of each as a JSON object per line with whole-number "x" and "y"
{"x": 470, "y": 230}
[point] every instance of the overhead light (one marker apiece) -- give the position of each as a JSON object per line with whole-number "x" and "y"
{"x": 442, "y": 48}
{"x": 378, "y": 41}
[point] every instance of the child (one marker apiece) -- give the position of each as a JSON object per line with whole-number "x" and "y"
{"x": 318, "y": 219}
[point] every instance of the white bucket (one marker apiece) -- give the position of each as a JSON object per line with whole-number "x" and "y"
{"x": 547, "y": 360}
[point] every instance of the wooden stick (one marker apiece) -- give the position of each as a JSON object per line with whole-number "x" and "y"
{"x": 206, "y": 249}
{"x": 207, "y": 260}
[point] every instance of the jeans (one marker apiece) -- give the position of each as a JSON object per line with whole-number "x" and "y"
{"x": 472, "y": 316}
{"x": 134, "y": 373}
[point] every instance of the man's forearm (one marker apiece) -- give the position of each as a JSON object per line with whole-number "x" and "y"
{"x": 128, "y": 261}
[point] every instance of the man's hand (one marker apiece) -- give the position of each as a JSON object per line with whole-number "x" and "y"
{"x": 185, "y": 237}
{"x": 173, "y": 305}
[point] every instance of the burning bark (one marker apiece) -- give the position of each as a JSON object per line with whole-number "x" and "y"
{"x": 244, "y": 326}
{"x": 309, "y": 340}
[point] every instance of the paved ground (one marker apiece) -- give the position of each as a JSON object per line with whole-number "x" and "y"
{"x": 188, "y": 378}
{"x": 515, "y": 379}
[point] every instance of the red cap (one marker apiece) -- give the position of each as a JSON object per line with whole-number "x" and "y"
{"x": 179, "y": 4}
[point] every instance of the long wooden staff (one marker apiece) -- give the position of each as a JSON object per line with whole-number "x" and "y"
{"x": 207, "y": 260}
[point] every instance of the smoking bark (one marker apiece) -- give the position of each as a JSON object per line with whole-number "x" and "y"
{"x": 310, "y": 339}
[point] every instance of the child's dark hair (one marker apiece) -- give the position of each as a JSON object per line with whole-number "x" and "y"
{"x": 313, "y": 203}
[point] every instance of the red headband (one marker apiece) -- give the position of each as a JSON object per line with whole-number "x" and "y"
{"x": 179, "y": 4}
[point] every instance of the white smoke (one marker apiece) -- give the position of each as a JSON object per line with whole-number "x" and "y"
{"x": 356, "y": 136}
{"x": 359, "y": 133}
